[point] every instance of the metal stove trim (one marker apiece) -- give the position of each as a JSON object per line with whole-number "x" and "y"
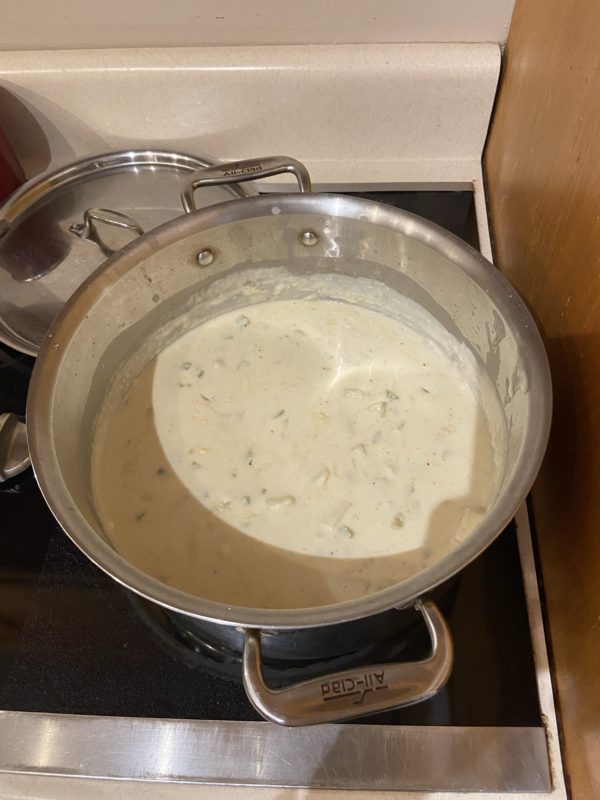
{"x": 370, "y": 757}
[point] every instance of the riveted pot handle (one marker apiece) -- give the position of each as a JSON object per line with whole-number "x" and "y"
{"x": 240, "y": 171}
{"x": 353, "y": 692}
{"x": 14, "y": 452}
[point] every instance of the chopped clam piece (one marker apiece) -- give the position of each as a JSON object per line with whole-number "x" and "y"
{"x": 341, "y": 512}
{"x": 281, "y": 502}
{"x": 379, "y": 408}
{"x": 322, "y": 477}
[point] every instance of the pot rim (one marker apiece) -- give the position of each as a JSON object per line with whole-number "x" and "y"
{"x": 62, "y": 505}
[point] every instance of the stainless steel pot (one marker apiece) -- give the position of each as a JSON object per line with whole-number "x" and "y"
{"x": 115, "y": 312}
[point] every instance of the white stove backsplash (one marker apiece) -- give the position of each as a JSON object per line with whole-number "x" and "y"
{"x": 383, "y": 115}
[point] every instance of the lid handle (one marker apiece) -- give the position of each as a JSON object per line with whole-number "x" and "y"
{"x": 88, "y": 230}
{"x": 240, "y": 171}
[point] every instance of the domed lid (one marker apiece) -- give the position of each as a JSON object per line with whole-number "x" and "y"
{"x": 59, "y": 227}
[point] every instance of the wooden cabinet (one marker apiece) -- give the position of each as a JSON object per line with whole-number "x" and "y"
{"x": 543, "y": 179}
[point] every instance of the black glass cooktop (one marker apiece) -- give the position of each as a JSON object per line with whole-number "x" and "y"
{"x": 73, "y": 641}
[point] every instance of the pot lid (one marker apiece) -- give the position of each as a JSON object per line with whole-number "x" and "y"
{"x": 59, "y": 227}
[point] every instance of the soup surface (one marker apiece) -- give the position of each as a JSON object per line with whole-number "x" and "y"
{"x": 298, "y": 452}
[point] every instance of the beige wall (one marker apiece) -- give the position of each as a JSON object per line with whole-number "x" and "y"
{"x": 66, "y": 24}
{"x": 543, "y": 173}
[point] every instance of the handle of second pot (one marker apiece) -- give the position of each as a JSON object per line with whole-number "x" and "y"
{"x": 353, "y": 692}
{"x": 14, "y": 452}
{"x": 240, "y": 171}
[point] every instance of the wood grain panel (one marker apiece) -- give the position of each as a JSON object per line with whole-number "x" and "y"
{"x": 543, "y": 175}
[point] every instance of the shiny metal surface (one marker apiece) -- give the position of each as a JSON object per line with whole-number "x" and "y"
{"x": 14, "y": 452}
{"x": 240, "y": 171}
{"x": 88, "y": 229}
{"x": 329, "y": 644}
{"x": 205, "y": 258}
{"x": 353, "y": 692}
{"x": 108, "y": 318}
{"x": 42, "y": 262}
{"x": 308, "y": 238}
{"x": 369, "y": 757}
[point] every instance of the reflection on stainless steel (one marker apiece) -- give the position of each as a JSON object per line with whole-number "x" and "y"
{"x": 14, "y": 452}
{"x": 205, "y": 258}
{"x": 309, "y": 239}
{"x": 374, "y": 757}
{"x": 353, "y": 692}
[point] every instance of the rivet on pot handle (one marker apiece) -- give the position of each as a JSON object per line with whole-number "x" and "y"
{"x": 353, "y": 692}
{"x": 88, "y": 230}
{"x": 14, "y": 452}
{"x": 240, "y": 171}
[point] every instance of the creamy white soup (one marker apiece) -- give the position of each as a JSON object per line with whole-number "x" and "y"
{"x": 299, "y": 452}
